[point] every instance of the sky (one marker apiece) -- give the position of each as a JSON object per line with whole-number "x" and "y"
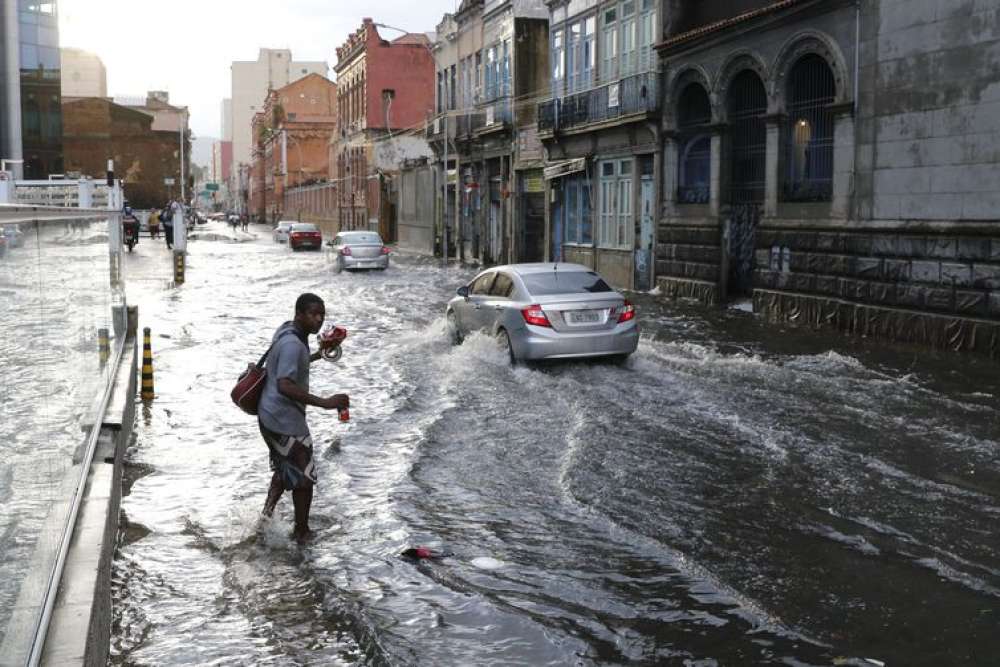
{"x": 186, "y": 46}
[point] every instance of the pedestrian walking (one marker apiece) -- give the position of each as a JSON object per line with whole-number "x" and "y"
{"x": 154, "y": 224}
{"x": 167, "y": 216}
{"x": 245, "y": 222}
{"x": 282, "y": 411}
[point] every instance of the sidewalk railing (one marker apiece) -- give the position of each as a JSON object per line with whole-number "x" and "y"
{"x": 63, "y": 329}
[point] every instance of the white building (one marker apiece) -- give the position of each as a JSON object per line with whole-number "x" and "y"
{"x": 251, "y": 81}
{"x": 83, "y": 74}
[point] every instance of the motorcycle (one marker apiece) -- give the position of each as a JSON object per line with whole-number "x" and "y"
{"x": 131, "y": 236}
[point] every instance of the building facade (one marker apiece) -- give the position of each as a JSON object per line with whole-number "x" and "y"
{"x": 385, "y": 90}
{"x": 98, "y": 130}
{"x": 600, "y": 127}
{"x": 83, "y": 74}
{"x": 836, "y": 162}
{"x": 491, "y": 59}
{"x": 251, "y": 82}
{"x": 293, "y": 134}
{"x": 30, "y": 88}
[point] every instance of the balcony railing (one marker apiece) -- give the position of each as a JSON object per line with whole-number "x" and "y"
{"x": 625, "y": 97}
{"x": 495, "y": 114}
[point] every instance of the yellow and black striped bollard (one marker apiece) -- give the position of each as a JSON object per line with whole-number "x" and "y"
{"x": 147, "y": 366}
{"x": 103, "y": 345}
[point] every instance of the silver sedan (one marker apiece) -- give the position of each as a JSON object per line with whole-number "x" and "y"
{"x": 546, "y": 311}
{"x": 359, "y": 250}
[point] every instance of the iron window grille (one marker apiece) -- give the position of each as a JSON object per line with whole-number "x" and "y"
{"x": 748, "y": 138}
{"x": 809, "y": 134}
{"x": 694, "y": 113}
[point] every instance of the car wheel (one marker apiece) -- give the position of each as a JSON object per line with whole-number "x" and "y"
{"x": 454, "y": 334}
{"x": 503, "y": 338}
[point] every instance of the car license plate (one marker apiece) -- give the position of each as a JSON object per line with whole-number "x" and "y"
{"x": 584, "y": 316}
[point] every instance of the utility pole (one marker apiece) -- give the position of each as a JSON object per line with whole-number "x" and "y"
{"x": 183, "y": 125}
{"x": 444, "y": 198}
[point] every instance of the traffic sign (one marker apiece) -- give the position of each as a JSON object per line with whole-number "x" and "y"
{"x": 168, "y": 181}
{"x": 212, "y": 187}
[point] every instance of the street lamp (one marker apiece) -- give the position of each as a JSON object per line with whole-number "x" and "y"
{"x": 444, "y": 197}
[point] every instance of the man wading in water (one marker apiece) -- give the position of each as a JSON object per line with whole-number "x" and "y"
{"x": 282, "y": 411}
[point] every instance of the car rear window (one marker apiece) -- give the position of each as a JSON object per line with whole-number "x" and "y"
{"x": 363, "y": 239}
{"x": 565, "y": 282}
{"x": 304, "y": 228}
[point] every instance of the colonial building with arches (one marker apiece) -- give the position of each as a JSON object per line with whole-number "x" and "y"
{"x": 834, "y": 162}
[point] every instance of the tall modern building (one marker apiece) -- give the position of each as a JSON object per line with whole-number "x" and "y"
{"x": 252, "y": 81}
{"x": 30, "y": 82}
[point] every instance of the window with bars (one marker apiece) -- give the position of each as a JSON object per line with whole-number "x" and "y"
{"x": 694, "y": 114}
{"x": 747, "y": 105}
{"x": 809, "y": 134}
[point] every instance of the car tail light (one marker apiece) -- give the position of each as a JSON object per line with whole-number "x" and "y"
{"x": 626, "y": 312}
{"x": 346, "y": 251}
{"x": 385, "y": 251}
{"x": 536, "y": 316}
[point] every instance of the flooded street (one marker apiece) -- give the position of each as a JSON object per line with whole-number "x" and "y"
{"x": 731, "y": 495}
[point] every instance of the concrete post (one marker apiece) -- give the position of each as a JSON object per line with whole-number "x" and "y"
{"x": 772, "y": 168}
{"x": 843, "y": 163}
{"x": 85, "y": 187}
{"x": 6, "y": 187}
{"x": 180, "y": 245}
{"x": 715, "y": 195}
{"x": 668, "y": 185}
{"x": 12, "y": 149}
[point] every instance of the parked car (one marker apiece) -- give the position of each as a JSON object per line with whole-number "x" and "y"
{"x": 304, "y": 235}
{"x": 546, "y": 311}
{"x": 281, "y": 231}
{"x": 360, "y": 250}
{"x": 13, "y": 235}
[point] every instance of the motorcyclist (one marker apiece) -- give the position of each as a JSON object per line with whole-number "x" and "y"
{"x": 130, "y": 223}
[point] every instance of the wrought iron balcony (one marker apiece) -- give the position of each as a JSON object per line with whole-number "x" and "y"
{"x": 495, "y": 114}
{"x": 625, "y": 97}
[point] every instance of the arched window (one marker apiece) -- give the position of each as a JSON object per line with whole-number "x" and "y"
{"x": 747, "y": 104}
{"x": 809, "y": 135}
{"x": 694, "y": 174}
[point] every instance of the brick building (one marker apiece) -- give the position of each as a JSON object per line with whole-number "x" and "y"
{"x": 292, "y": 135}
{"x": 96, "y": 130}
{"x": 384, "y": 88}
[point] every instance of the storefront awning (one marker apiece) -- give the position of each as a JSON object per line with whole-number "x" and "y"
{"x": 564, "y": 168}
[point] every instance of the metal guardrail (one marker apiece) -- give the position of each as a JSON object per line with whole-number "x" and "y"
{"x": 638, "y": 93}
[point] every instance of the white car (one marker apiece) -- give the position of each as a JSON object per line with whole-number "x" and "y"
{"x": 281, "y": 231}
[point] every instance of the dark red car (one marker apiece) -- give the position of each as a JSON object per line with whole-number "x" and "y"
{"x": 304, "y": 235}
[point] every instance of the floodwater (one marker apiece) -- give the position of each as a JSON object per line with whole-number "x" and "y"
{"x": 732, "y": 495}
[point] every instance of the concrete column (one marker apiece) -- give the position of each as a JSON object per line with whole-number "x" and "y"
{"x": 180, "y": 230}
{"x": 772, "y": 169}
{"x": 6, "y": 187}
{"x": 668, "y": 186}
{"x": 715, "y": 196}
{"x": 843, "y": 164}
{"x": 86, "y": 193}
{"x": 10, "y": 78}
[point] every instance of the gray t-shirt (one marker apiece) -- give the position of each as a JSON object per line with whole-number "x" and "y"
{"x": 289, "y": 358}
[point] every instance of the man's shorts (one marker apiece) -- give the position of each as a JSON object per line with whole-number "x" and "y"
{"x": 291, "y": 457}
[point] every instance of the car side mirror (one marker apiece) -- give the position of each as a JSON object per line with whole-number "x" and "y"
{"x": 463, "y": 291}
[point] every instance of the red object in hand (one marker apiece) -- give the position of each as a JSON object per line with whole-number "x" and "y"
{"x": 334, "y": 336}
{"x": 344, "y": 414}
